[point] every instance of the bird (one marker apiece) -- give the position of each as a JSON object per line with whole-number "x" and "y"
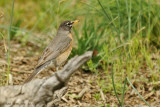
{"x": 57, "y": 51}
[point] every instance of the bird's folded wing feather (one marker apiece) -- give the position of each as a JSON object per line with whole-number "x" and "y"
{"x": 57, "y": 46}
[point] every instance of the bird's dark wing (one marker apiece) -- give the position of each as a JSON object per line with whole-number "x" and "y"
{"x": 57, "y": 46}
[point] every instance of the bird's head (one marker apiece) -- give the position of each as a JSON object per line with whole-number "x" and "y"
{"x": 67, "y": 25}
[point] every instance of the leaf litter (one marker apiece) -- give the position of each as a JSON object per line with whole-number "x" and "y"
{"x": 82, "y": 86}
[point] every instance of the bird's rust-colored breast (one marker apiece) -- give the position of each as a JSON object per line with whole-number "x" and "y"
{"x": 63, "y": 57}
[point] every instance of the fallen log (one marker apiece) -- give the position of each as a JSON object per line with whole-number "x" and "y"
{"x": 42, "y": 92}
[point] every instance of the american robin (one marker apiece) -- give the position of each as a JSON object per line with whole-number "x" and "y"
{"x": 58, "y": 50}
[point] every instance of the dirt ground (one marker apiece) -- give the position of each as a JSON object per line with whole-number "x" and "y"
{"x": 82, "y": 86}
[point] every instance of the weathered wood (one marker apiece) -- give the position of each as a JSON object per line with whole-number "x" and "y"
{"x": 42, "y": 92}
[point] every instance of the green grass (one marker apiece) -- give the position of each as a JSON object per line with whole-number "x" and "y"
{"x": 9, "y": 45}
{"x": 122, "y": 33}
{"x": 129, "y": 52}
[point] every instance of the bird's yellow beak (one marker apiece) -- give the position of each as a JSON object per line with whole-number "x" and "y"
{"x": 76, "y": 21}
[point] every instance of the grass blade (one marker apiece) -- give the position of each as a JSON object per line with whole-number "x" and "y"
{"x": 137, "y": 92}
{"x": 140, "y": 17}
{"x": 114, "y": 88}
{"x": 149, "y": 16}
{"x": 128, "y": 8}
{"x": 107, "y": 16}
{"x": 9, "y": 37}
{"x": 122, "y": 98}
{"x": 119, "y": 19}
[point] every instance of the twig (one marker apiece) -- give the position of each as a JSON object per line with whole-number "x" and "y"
{"x": 80, "y": 95}
{"x": 42, "y": 92}
{"x": 102, "y": 95}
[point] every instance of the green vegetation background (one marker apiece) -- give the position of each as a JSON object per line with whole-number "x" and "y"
{"x": 124, "y": 33}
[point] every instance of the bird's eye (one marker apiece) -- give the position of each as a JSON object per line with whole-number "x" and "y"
{"x": 68, "y": 23}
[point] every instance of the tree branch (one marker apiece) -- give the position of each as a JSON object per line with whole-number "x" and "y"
{"x": 42, "y": 92}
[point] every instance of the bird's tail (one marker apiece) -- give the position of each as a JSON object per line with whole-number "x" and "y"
{"x": 37, "y": 71}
